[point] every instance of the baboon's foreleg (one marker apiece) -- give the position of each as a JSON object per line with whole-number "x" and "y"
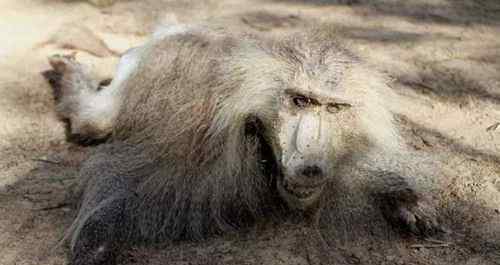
{"x": 405, "y": 208}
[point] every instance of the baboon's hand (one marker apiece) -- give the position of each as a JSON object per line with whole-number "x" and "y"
{"x": 408, "y": 211}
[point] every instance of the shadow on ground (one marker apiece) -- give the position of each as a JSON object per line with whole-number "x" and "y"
{"x": 458, "y": 12}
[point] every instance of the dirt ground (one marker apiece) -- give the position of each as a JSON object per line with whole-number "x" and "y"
{"x": 443, "y": 58}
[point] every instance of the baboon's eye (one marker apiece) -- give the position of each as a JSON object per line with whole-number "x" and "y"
{"x": 302, "y": 101}
{"x": 337, "y": 107}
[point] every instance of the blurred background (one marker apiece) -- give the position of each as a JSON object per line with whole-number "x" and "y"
{"x": 442, "y": 57}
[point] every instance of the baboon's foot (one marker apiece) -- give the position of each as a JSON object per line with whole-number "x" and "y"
{"x": 78, "y": 103}
{"x": 406, "y": 210}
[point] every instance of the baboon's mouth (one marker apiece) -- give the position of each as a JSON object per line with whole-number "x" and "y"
{"x": 297, "y": 192}
{"x": 300, "y": 192}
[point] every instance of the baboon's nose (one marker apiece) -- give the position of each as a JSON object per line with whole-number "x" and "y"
{"x": 310, "y": 172}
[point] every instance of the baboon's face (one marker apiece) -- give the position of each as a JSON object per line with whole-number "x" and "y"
{"x": 318, "y": 109}
{"x": 313, "y": 128}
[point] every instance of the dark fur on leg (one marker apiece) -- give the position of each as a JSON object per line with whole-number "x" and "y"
{"x": 105, "y": 223}
{"x": 102, "y": 235}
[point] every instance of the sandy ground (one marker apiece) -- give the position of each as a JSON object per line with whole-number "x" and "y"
{"x": 443, "y": 58}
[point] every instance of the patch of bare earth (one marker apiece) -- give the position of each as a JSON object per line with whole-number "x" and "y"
{"x": 442, "y": 57}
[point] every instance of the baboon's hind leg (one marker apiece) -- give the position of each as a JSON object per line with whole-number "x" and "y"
{"x": 80, "y": 104}
{"x": 105, "y": 225}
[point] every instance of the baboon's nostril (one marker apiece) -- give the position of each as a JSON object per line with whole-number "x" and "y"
{"x": 310, "y": 172}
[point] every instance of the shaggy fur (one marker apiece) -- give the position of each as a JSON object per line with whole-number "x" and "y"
{"x": 184, "y": 159}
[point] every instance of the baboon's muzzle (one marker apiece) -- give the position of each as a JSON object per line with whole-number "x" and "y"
{"x": 305, "y": 145}
{"x": 297, "y": 160}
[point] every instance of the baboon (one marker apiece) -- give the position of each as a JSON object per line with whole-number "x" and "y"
{"x": 207, "y": 132}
